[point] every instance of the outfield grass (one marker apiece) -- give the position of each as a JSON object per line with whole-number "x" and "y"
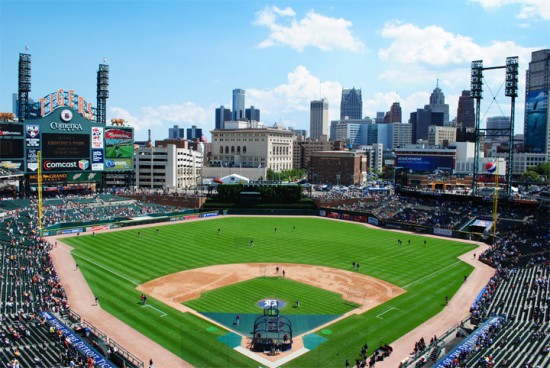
{"x": 115, "y": 263}
{"x": 242, "y": 297}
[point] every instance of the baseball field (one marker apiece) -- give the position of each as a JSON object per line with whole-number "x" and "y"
{"x": 119, "y": 266}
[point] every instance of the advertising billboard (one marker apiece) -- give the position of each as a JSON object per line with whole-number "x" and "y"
{"x": 11, "y": 130}
{"x": 119, "y": 148}
{"x": 425, "y": 162}
{"x": 536, "y": 118}
{"x": 12, "y": 146}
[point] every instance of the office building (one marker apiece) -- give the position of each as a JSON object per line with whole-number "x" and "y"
{"x": 421, "y": 120}
{"x": 437, "y": 103}
{"x": 337, "y": 167}
{"x": 176, "y": 132}
{"x": 394, "y": 115}
{"x": 351, "y": 106}
{"x": 167, "y": 168}
{"x": 318, "y": 119}
{"x": 465, "y": 113}
{"x": 347, "y": 131}
{"x": 222, "y": 115}
{"x": 441, "y": 135}
{"x": 401, "y": 135}
{"x": 303, "y": 148}
{"x": 263, "y": 148}
{"x": 238, "y": 104}
{"x": 498, "y": 128}
{"x": 252, "y": 114}
{"x": 537, "y": 117}
{"x": 194, "y": 133}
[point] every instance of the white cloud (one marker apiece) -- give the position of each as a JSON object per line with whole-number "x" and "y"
{"x": 528, "y": 9}
{"x": 314, "y": 30}
{"x": 160, "y": 118}
{"x": 434, "y": 46}
{"x": 290, "y": 102}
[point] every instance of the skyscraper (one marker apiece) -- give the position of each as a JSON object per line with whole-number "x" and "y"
{"x": 194, "y": 133}
{"x": 252, "y": 114}
{"x": 222, "y": 115}
{"x": 536, "y": 124}
{"x": 351, "y": 106}
{"x": 498, "y": 128}
{"x": 238, "y": 104}
{"x": 394, "y": 115}
{"x": 318, "y": 119}
{"x": 421, "y": 121}
{"x": 465, "y": 113}
{"x": 176, "y": 132}
{"x": 437, "y": 103}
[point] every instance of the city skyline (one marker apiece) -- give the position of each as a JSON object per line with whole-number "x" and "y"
{"x": 174, "y": 63}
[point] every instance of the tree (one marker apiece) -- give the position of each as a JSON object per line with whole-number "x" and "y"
{"x": 531, "y": 176}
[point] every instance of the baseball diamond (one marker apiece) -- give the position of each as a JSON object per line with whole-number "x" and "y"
{"x": 402, "y": 285}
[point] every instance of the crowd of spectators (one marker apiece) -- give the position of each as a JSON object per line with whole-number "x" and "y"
{"x": 29, "y": 284}
{"x": 65, "y": 209}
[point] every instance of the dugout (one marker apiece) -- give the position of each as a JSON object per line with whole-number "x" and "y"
{"x": 272, "y": 332}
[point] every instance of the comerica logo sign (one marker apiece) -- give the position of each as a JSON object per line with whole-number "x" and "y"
{"x": 49, "y": 165}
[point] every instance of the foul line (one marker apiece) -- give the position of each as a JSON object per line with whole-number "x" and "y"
{"x": 431, "y": 274}
{"x": 106, "y": 269}
{"x": 386, "y": 311}
{"x": 150, "y": 306}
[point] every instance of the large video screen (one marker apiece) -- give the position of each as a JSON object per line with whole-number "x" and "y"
{"x": 65, "y": 145}
{"x": 119, "y": 148}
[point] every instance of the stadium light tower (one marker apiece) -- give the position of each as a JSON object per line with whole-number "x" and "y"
{"x": 476, "y": 86}
{"x": 24, "y": 86}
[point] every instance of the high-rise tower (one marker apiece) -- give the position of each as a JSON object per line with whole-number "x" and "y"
{"x": 465, "y": 113}
{"x": 318, "y": 119}
{"x": 238, "y": 104}
{"x": 351, "y": 106}
{"x": 437, "y": 103}
{"x": 222, "y": 115}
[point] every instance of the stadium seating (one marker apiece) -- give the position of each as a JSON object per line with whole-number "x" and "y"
{"x": 519, "y": 291}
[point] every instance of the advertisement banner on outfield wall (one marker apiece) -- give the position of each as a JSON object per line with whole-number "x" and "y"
{"x": 443, "y": 232}
{"x": 373, "y": 221}
{"x": 323, "y": 213}
{"x": 210, "y": 214}
{"x": 71, "y": 231}
{"x": 391, "y": 225}
{"x": 359, "y": 218}
{"x": 98, "y": 228}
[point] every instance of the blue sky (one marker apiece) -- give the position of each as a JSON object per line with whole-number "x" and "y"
{"x": 173, "y": 62}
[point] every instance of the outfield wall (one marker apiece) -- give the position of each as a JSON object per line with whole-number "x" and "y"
{"x": 124, "y": 222}
{"x": 369, "y": 218}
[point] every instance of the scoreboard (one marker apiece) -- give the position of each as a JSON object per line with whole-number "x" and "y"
{"x": 70, "y": 143}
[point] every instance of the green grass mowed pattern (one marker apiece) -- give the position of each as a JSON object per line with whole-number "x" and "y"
{"x": 114, "y": 262}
